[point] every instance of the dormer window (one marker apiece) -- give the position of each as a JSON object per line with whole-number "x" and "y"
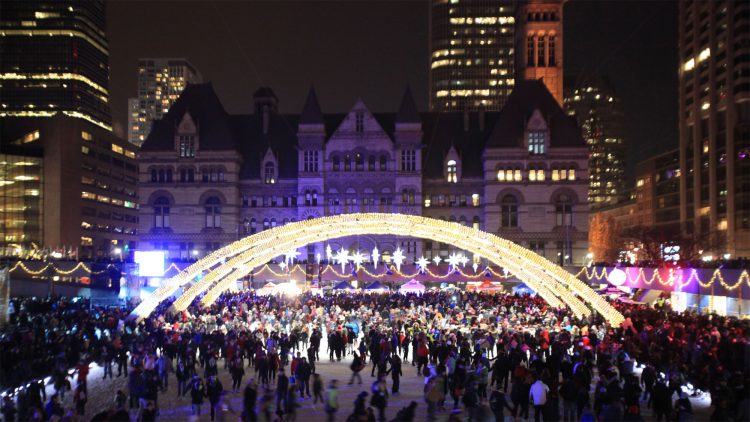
{"x": 452, "y": 171}
{"x": 187, "y": 146}
{"x": 269, "y": 173}
{"x": 359, "y": 123}
{"x": 536, "y": 140}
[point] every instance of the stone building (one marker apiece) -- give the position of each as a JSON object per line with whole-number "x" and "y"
{"x": 208, "y": 178}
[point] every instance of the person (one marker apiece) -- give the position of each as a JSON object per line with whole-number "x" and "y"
{"x": 396, "y": 373}
{"x": 304, "y": 371}
{"x": 317, "y": 386}
{"x": 360, "y": 404}
{"x": 148, "y": 413}
{"x": 379, "y": 399}
{"x": 9, "y": 409}
{"x": 164, "y": 367}
{"x": 332, "y": 401}
{"x": 282, "y": 385}
{"x": 80, "y": 399}
{"x": 569, "y": 393}
{"x": 213, "y": 392}
{"x": 197, "y": 394}
{"x": 538, "y": 398}
{"x": 406, "y": 414}
{"x": 183, "y": 375}
{"x": 290, "y": 408}
{"x": 683, "y": 408}
{"x": 498, "y": 403}
{"x": 356, "y": 366}
{"x": 106, "y": 357}
{"x": 120, "y": 400}
{"x": 483, "y": 378}
{"x": 662, "y": 401}
{"x": 238, "y": 371}
{"x": 249, "y": 399}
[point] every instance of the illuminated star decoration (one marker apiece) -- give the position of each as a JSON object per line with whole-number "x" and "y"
{"x": 291, "y": 256}
{"x": 357, "y": 259}
{"x": 464, "y": 260}
{"x": 282, "y": 265}
{"x": 329, "y": 253}
{"x": 398, "y": 258}
{"x": 342, "y": 257}
{"x": 453, "y": 261}
{"x": 375, "y": 256}
{"x": 475, "y": 266}
{"x": 436, "y": 260}
{"x": 422, "y": 264}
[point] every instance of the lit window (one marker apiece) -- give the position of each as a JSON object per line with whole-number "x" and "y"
{"x": 540, "y": 175}
{"x": 427, "y": 202}
{"x": 451, "y": 170}
{"x": 555, "y": 175}
{"x": 475, "y": 199}
{"x": 187, "y": 146}
{"x": 501, "y": 175}
{"x": 269, "y": 173}
{"x": 517, "y": 175}
{"x": 86, "y": 136}
{"x": 571, "y": 174}
{"x": 536, "y": 142}
{"x": 118, "y": 149}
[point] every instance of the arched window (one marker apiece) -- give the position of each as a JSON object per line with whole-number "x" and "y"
{"x": 475, "y": 223}
{"x": 563, "y": 210}
{"x": 383, "y": 163}
{"x": 169, "y": 175}
{"x": 359, "y": 162}
{"x": 154, "y": 176}
{"x": 252, "y": 226}
{"x": 371, "y": 163}
{"x": 269, "y": 175}
{"x": 412, "y": 197}
{"x": 213, "y": 212}
{"x": 348, "y": 162}
{"x": 266, "y": 224}
{"x": 509, "y": 211}
{"x": 404, "y": 196}
{"x": 161, "y": 175}
{"x": 452, "y": 171}
{"x": 462, "y": 220}
{"x": 314, "y": 198}
{"x": 336, "y": 163}
{"x": 161, "y": 212}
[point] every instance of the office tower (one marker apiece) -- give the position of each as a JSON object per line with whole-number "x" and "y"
{"x": 54, "y": 60}
{"x": 714, "y": 124}
{"x": 471, "y": 54}
{"x": 539, "y": 43}
{"x": 595, "y": 107}
{"x": 160, "y": 82}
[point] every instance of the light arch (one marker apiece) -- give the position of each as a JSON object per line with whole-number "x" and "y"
{"x": 228, "y": 264}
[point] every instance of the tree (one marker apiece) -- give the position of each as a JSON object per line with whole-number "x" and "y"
{"x": 604, "y": 238}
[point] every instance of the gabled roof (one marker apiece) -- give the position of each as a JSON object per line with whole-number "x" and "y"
{"x": 311, "y": 113}
{"x": 206, "y": 110}
{"x": 407, "y": 111}
{"x": 527, "y": 96}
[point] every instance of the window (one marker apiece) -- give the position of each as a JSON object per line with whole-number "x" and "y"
{"x": 311, "y": 161}
{"x": 86, "y": 136}
{"x": 551, "y": 61}
{"x": 118, "y": 149}
{"x": 540, "y": 51}
{"x": 536, "y": 174}
{"x": 161, "y": 212}
{"x": 408, "y": 160}
{"x": 154, "y": 175}
{"x": 213, "y": 212}
{"x": 475, "y": 199}
{"x": 536, "y": 142}
{"x": 336, "y": 163}
{"x": 451, "y": 171}
{"x": 537, "y": 246}
{"x": 571, "y": 174}
{"x": 564, "y": 211}
{"x": 509, "y": 212}
{"x": 530, "y": 51}
{"x": 359, "y": 162}
{"x": 359, "y": 125}
{"x": 187, "y": 146}
{"x": 383, "y": 163}
{"x": 371, "y": 163}
{"x": 475, "y": 223}
{"x": 269, "y": 173}
{"x": 347, "y": 162}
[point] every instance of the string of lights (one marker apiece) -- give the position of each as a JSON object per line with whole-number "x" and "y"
{"x": 675, "y": 278}
{"x": 21, "y": 266}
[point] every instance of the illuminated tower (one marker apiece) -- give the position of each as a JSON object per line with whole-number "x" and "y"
{"x": 54, "y": 60}
{"x": 540, "y": 43}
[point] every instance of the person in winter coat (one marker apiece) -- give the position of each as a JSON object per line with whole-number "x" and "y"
{"x": 80, "y": 398}
{"x": 379, "y": 399}
{"x": 395, "y": 373}
{"x": 183, "y": 376}
{"x": 213, "y": 392}
{"x": 356, "y": 366}
{"x": 197, "y": 394}
{"x": 498, "y": 404}
{"x": 237, "y": 370}
{"x": 303, "y": 378}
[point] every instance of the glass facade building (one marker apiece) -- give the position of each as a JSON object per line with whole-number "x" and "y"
{"x": 21, "y": 203}
{"x": 54, "y": 60}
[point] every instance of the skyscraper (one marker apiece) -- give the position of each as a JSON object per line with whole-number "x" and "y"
{"x": 160, "y": 82}
{"x": 595, "y": 107}
{"x": 54, "y": 60}
{"x": 714, "y": 124}
{"x": 471, "y": 54}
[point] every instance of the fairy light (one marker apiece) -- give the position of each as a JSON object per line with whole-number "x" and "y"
{"x": 238, "y": 259}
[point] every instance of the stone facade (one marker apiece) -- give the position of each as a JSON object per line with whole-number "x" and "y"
{"x": 266, "y": 169}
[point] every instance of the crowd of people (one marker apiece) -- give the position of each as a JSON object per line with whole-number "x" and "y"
{"x": 479, "y": 356}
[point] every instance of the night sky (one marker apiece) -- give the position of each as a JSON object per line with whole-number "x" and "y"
{"x": 372, "y": 49}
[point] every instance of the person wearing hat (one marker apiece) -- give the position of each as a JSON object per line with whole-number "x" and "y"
{"x": 360, "y": 404}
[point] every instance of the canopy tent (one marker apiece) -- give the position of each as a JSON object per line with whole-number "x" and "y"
{"x": 268, "y": 289}
{"x": 413, "y": 286}
{"x": 522, "y": 289}
{"x": 376, "y": 286}
{"x": 344, "y": 285}
{"x": 487, "y": 286}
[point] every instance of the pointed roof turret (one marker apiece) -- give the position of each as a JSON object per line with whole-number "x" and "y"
{"x": 407, "y": 111}
{"x": 311, "y": 113}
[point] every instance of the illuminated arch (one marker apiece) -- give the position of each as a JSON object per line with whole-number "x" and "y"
{"x": 226, "y": 265}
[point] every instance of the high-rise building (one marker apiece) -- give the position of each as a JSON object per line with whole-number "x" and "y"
{"x": 54, "y": 60}
{"x": 471, "y": 54}
{"x": 595, "y": 107}
{"x": 539, "y": 43}
{"x": 160, "y": 82}
{"x": 714, "y": 124}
